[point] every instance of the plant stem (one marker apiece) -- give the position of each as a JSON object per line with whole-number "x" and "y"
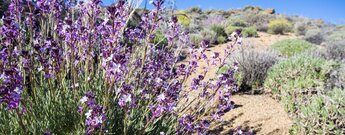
{"x": 20, "y": 120}
{"x": 125, "y": 123}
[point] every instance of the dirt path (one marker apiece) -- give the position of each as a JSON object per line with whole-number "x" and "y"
{"x": 260, "y": 113}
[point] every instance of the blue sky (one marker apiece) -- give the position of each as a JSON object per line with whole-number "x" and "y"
{"x": 330, "y": 10}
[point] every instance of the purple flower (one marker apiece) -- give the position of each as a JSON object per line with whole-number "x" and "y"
{"x": 95, "y": 114}
{"x": 157, "y": 111}
{"x": 47, "y": 133}
{"x": 196, "y": 82}
{"x": 188, "y": 124}
{"x": 11, "y": 88}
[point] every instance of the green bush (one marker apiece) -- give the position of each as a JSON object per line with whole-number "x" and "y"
{"x": 290, "y": 47}
{"x": 296, "y": 76}
{"x": 195, "y": 39}
{"x": 230, "y": 29}
{"x": 279, "y": 26}
{"x": 219, "y": 30}
{"x": 160, "y": 39}
{"x": 301, "y": 83}
{"x": 183, "y": 18}
{"x": 209, "y": 35}
{"x": 250, "y": 32}
{"x": 321, "y": 114}
{"x": 237, "y": 21}
{"x": 221, "y": 40}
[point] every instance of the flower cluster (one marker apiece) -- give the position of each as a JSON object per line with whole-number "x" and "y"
{"x": 95, "y": 115}
{"x": 11, "y": 79}
{"x": 166, "y": 101}
{"x": 188, "y": 125}
{"x": 11, "y": 87}
{"x": 54, "y": 47}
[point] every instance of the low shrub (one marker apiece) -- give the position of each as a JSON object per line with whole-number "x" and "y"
{"x": 194, "y": 27}
{"x": 316, "y": 52}
{"x": 209, "y": 35}
{"x": 300, "y": 28}
{"x": 297, "y": 76}
{"x": 230, "y": 29}
{"x": 337, "y": 78}
{"x": 336, "y": 50}
{"x": 183, "y": 18}
{"x": 259, "y": 20}
{"x": 301, "y": 83}
{"x": 195, "y": 39}
{"x": 221, "y": 40}
{"x": 290, "y": 47}
{"x": 263, "y": 27}
{"x": 219, "y": 30}
{"x": 253, "y": 66}
{"x": 237, "y": 21}
{"x": 250, "y": 32}
{"x": 314, "y": 36}
{"x": 336, "y": 35}
{"x": 213, "y": 20}
{"x": 279, "y": 26}
{"x": 321, "y": 114}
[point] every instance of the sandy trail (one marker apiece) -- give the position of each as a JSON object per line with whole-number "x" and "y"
{"x": 260, "y": 113}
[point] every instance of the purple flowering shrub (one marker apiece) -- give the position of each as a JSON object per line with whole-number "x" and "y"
{"x": 76, "y": 68}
